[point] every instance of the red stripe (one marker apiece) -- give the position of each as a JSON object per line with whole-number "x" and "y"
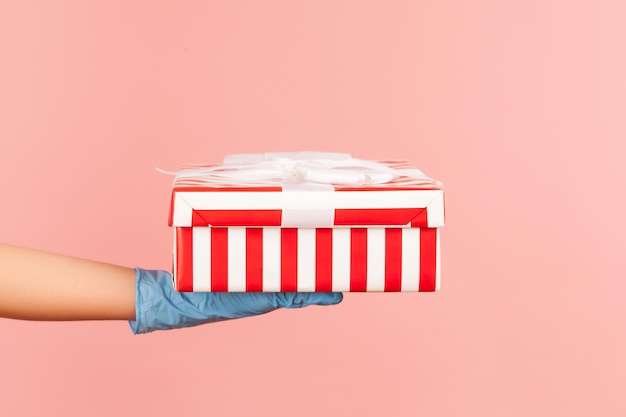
{"x": 289, "y": 259}
{"x": 375, "y": 217}
{"x": 184, "y": 259}
{"x": 254, "y": 260}
{"x": 421, "y": 219}
{"x": 358, "y": 259}
{"x": 389, "y": 187}
{"x": 236, "y": 217}
{"x": 393, "y": 259}
{"x": 170, "y": 217}
{"x": 219, "y": 259}
{"x": 343, "y": 217}
{"x": 194, "y": 188}
{"x": 179, "y": 187}
{"x": 428, "y": 259}
{"x": 323, "y": 260}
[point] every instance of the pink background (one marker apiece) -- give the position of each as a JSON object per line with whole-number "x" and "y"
{"x": 517, "y": 106}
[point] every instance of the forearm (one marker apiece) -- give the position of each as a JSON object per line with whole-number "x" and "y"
{"x": 36, "y": 285}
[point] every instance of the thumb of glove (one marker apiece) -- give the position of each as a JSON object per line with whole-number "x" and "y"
{"x": 304, "y": 299}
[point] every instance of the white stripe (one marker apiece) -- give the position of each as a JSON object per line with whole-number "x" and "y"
{"x": 182, "y": 211}
{"x": 184, "y": 201}
{"x": 306, "y": 260}
{"x": 384, "y": 199}
{"x": 410, "y": 259}
{"x": 375, "y": 259}
{"x": 255, "y": 200}
{"x": 435, "y": 211}
{"x": 235, "y": 200}
{"x": 438, "y": 266}
{"x": 271, "y": 259}
{"x": 174, "y": 261}
{"x": 236, "y": 259}
{"x": 201, "y": 258}
{"x": 341, "y": 259}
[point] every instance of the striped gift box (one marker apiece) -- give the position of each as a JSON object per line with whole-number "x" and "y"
{"x": 243, "y": 236}
{"x": 322, "y": 259}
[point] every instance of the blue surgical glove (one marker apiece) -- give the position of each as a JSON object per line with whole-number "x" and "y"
{"x": 159, "y": 307}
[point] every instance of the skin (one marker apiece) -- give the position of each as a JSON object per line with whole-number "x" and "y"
{"x": 36, "y": 285}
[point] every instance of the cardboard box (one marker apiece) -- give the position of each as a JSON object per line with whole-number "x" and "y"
{"x": 306, "y": 222}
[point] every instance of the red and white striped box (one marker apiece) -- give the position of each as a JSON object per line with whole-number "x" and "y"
{"x": 236, "y": 233}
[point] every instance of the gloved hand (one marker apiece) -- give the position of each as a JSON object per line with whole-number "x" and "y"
{"x": 159, "y": 307}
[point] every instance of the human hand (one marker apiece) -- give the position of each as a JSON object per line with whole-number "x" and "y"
{"x": 160, "y": 307}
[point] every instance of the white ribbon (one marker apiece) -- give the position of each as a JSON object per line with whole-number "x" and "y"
{"x": 300, "y": 167}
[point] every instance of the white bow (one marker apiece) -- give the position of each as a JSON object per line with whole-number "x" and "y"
{"x": 300, "y": 167}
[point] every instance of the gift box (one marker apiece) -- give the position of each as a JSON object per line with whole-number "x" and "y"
{"x": 306, "y": 222}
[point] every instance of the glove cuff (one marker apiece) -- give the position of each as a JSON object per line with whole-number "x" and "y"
{"x": 135, "y": 324}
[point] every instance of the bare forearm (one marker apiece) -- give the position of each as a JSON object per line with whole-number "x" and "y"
{"x": 36, "y": 285}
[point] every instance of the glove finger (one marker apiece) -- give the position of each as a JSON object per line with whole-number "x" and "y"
{"x": 252, "y": 303}
{"x": 303, "y": 299}
{"x": 234, "y": 304}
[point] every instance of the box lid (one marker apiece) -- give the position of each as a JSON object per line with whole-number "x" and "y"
{"x": 295, "y": 190}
